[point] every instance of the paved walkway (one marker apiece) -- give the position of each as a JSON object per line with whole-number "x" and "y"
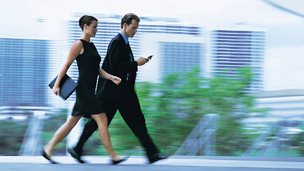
{"x": 134, "y": 163}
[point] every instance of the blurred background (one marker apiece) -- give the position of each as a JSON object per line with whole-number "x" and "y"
{"x": 224, "y": 79}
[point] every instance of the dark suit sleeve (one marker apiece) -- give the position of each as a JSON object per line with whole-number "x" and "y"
{"x": 119, "y": 59}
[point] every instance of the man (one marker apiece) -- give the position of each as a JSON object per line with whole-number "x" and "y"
{"x": 119, "y": 61}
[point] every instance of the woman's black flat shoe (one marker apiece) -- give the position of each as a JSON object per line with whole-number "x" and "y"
{"x": 43, "y": 153}
{"x": 115, "y": 162}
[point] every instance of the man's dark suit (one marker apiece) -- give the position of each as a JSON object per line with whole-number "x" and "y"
{"x": 119, "y": 61}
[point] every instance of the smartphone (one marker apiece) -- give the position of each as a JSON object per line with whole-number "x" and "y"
{"x": 150, "y": 57}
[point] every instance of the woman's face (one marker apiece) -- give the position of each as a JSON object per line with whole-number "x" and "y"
{"x": 91, "y": 30}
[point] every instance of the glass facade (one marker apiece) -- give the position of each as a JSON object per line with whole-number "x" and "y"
{"x": 234, "y": 49}
{"x": 172, "y": 56}
{"x": 23, "y": 72}
{"x": 180, "y": 57}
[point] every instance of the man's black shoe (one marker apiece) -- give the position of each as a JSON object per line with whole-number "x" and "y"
{"x": 156, "y": 157}
{"x": 75, "y": 155}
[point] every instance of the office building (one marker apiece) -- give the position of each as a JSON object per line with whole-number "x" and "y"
{"x": 238, "y": 47}
{"x": 176, "y": 47}
{"x": 23, "y": 72}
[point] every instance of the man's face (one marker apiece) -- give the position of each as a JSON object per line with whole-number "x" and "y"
{"x": 130, "y": 30}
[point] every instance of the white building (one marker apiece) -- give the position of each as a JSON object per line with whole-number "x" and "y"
{"x": 176, "y": 47}
{"x": 231, "y": 48}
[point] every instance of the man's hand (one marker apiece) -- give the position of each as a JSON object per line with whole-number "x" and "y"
{"x": 142, "y": 61}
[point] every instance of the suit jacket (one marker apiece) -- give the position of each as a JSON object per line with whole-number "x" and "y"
{"x": 119, "y": 61}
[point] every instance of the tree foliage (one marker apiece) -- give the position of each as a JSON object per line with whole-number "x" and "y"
{"x": 175, "y": 106}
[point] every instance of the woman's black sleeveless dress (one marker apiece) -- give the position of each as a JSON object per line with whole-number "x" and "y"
{"x": 88, "y": 62}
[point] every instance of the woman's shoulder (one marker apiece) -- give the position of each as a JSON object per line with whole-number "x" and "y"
{"x": 77, "y": 45}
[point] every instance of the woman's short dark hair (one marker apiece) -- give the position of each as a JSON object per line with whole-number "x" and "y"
{"x": 86, "y": 19}
{"x": 128, "y": 19}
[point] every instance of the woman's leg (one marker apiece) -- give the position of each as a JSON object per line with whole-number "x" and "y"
{"x": 61, "y": 133}
{"x": 102, "y": 122}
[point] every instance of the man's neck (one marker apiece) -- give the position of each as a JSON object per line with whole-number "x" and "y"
{"x": 124, "y": 36}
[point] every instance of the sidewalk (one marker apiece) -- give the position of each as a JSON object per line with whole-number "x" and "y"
{"x": 229, "y": 162}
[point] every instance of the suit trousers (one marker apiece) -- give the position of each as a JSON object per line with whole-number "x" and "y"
{"x": 130, "y": 110}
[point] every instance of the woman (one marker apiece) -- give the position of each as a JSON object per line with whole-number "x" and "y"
{"x": 87, "y": 104}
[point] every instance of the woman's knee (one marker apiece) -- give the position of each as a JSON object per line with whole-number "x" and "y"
{"x": 72, "y": 121}
{"x": 100, "y": 118}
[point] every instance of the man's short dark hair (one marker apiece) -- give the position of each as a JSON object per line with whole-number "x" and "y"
{"x": 128, "y": 19}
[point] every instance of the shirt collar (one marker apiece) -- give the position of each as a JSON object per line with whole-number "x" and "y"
{"x": 124, "y": 37}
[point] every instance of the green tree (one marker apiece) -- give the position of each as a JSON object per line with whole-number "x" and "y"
{"x": 174, "y": 107}
{"x": 12, "y": 134}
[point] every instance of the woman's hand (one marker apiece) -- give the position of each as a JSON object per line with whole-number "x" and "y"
{"x": 116, "y": 80}
{"x": 56, "y": 90}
